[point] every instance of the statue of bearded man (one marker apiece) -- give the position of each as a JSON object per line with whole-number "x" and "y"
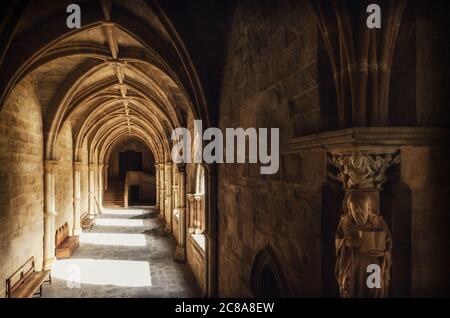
{"x": 362, "y": 239}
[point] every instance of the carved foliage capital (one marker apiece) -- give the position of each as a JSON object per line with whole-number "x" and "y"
{"x": 362, "y": 171}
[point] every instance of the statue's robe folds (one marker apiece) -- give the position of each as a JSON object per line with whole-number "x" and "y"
{"x": 351, "y": 263}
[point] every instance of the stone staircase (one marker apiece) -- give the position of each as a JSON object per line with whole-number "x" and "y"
{"x": 113, "y": 197}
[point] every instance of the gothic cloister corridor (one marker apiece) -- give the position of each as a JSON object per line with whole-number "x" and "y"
{"x": 126, "y": 254}
{"x": 224, "y": 149}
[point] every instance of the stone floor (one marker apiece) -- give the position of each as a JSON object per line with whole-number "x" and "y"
{"x": 126, "y": 254}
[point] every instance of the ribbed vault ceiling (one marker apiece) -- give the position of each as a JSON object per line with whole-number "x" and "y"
{"x": 124, "y": 74}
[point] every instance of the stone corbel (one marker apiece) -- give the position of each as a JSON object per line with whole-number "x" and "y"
{"x": 362, "y": 171}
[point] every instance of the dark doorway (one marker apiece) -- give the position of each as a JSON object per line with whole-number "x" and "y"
{"x": 268, "y": 285}
{"x": 134, "y": 194}
{"x": 129, "y": 161}
{"x": 266, "y": 278}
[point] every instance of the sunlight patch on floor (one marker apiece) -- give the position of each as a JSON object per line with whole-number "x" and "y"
{"x": 103, "y": 272}
{"x": 114, "y": 239}
{"x": 119, "y": 222}
{"x": 109, "y": 211}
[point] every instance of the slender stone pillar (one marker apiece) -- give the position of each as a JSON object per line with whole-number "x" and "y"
{"x": 106, "y": 177}
{"x": 210, "y": 231}
{"x": 49, "y": 214}
{"x": 77, "y": 198}
{"x": 168, "y": 209}
{"x": 92, "y": 208}
{"x": 162, "y": 193}
{"x": 180, "y": 253}
{"x": 157, "y": 186}
{"x": 101, "y": 174}
{"x": 191, "y": 212}
{"x": 175, "y": 192}
{"x": 199, "y": 214}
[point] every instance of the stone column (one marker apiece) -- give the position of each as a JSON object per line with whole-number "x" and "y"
{"x": 157, "y": 186}
{"x": 49, "y": 214}
{"x": 199, "y": 214}
{"x": 168, "y": 194}
{"x": 92, "y": 208}
{"x": 180, "y": 253}
{"x": 191, "y": 212}
{"x": 210, "y": 231}
{"x": 106, "y": 177}
{"x": 77, "y": 198}
{"x": 101, "y": 174}
{"x": 162, "y": 189}
{"x": 175, "y": 188}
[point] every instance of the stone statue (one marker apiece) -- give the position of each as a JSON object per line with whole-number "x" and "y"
{"x": 362, "y": 239}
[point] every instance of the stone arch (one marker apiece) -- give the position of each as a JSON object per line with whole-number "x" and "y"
{"x": 267, "y": 278}
{"x": 169, "y": 54}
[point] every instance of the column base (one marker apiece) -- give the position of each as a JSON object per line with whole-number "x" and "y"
{"x": 180, "y": 254}
{"x": 167, "y": 228}
{"x": 49, "y": 262}
{"x": 204, "y": 294}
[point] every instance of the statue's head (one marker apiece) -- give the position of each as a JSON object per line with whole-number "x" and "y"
{"x": 357, "y": 160}
{"x": 358, "y": 204}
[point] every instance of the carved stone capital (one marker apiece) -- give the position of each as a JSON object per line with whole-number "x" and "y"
{"x": 50, "y": 165}
{"x": 190, "y": 197}
{"x": 199, "y": 197}
{"x": 77, "y": 166}
{"x": 181, "y": 167}
{"x": 361, "y": 171}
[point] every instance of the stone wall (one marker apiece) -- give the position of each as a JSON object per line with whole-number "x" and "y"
{"x": 64, "y": 178}
{"x": 432, "y": 65}
{"x": 274, "y": 76}
{"x": 196, "y": 261}
{"x": 421, "y": 67}
{"x": 425, "y": 170}
{"x": 21, "y": 179}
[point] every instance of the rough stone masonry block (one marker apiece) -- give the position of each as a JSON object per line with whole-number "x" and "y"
{"x": 21, "y": 164}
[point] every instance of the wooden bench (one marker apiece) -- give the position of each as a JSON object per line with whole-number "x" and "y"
{"x": 26, "y": 282}
{"x": 86, "y": 222}
{"x": 65, "y": 244}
